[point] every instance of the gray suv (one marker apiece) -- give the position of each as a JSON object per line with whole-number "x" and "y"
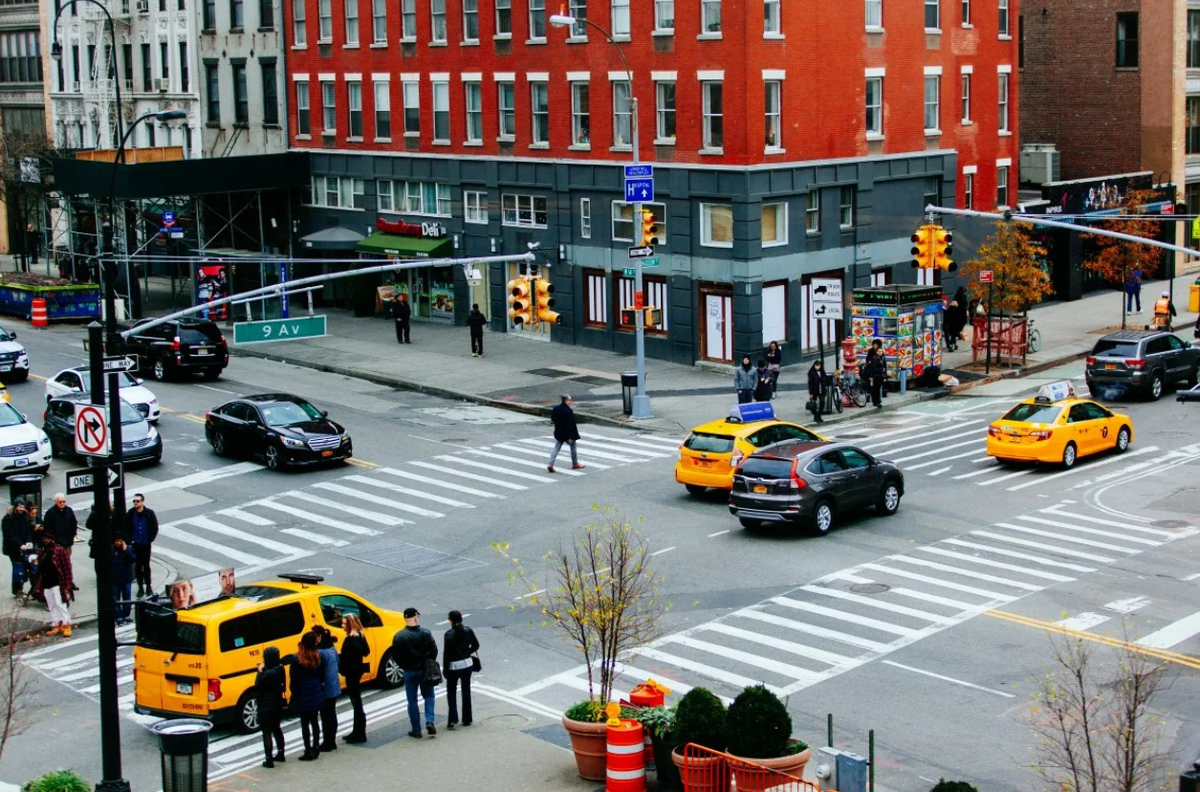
{"x": 1143, "y": 361}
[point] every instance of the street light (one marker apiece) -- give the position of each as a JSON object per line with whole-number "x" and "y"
{"x": 641, "y": 399}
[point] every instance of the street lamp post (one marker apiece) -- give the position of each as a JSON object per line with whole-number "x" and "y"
{"x": 641, "y": 399}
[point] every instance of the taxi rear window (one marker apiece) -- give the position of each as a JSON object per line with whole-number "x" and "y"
{"x": 709, "y": 443}
{"x": 154, "y": 632}
{"x": 1033, "y": 413}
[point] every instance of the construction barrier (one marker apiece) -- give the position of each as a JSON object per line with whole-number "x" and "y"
{"x": 705, "y": 770}
{"x": 646, "y": 695}
{"x": 626, "y": 770}
{"x": 38, "y": 312}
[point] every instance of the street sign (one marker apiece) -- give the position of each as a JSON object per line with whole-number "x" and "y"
{"x": 279, "y": 330}
{"x": 629, "y": 272}
{"x": 825, "y": 301}
{"x": 639, "y": 171}
{"x": 168, "y": 218}
{"x": 645, "y": 251}
{"x": 650, "y": 262}
{"x": 639, "y": 300}
{"x": 122, "y": 363}
{"x": 985, "y": 276}
{"x": 91, "y": 429}
{"x": 85, "y": 480}
{"x": 639, "y": 189}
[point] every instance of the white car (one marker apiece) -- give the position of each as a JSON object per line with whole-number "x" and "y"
{"x": 79, "y": 380}
{"x": 24, "y": 448}
{"x": 14, "y": 360}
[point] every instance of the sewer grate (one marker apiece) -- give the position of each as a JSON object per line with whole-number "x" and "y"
{"x": 408, "y": 559}
{"x": 588, "y": 379}
{"x": 549, "y": 372}
{"x": 1170, "y": 525}
{"x": 870, "y": 588}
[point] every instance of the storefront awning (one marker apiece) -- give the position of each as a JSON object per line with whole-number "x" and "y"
{"x": 335, "y": 238}
{"x": 404, "y": 246}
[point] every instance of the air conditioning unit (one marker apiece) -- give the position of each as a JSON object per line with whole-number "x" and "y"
{"x": 163, "y": 84}
{"x": 128, "y": 85}
{"x": 76, "y": 87}
{"x": 1040, "y": 163}
{"x": 143, "y": 6}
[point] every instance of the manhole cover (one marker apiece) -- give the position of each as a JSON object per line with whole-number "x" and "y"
{"x": 870, "y": 588}
{"x": 1169, "y": 524}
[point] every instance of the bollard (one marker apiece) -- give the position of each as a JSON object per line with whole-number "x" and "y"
{"x": 626, "y": 770}
{"x": 183, "y": 746}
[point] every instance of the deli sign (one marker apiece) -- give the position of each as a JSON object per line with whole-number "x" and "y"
{"x": 401, "y": 228}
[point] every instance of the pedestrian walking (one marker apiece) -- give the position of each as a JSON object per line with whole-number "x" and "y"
{"x": 877, "y": 345}
{"x": 950, "y": 328}
{"x": 1164, "y": 312}
{"x": 774, "y": 363}
{"x": 308, "y": 692}
{"x": 353, "y": 664}
{"x": 18, "y": 544}
{"x": 762, "y": 382}
{"x": 817, "y": 384}
{"x": 459, "y": 646}
{"x": 412, "y": 647}
{"x": 268, "y": 690}
{"x": 476, "y": 321}
{"x": 60, "y": 520}
{"x": 333, "y": 688}
{"x": 141, "y": 529}
{"x": 56, "y": 584}
{"x": 403, "y": 317}
{"x": 744, "y": 380}
{"x": 123, "y": 562}
{"x": 565, "y": 431}
{"x": 1133, "y": 291}
{"x": 873, "y": 370}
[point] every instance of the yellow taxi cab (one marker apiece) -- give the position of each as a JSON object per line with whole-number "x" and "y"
{"x": 1056, "y": 427}
{"x": 4, "y": 394}
{"x": 712, "y": 451}
{"x": 201, "y": 661}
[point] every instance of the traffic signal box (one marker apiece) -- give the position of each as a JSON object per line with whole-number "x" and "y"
{"x": 520, "y": 306}
{"x": 543, "y": 301}
{"x": 651, "y": 316}
{"x": 942, "y": 249}
{"x": 649, "y": 229}
{"x": 922, "y": 249}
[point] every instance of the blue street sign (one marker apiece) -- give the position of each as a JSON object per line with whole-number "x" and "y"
{"x": 283, "y": 297}
{"x": 168, "y": 218}
{"x": 639, "y": 189}
{"x": 639, "y": 171}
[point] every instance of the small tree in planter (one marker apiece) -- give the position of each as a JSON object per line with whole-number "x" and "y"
{"x": 758, "y": 727}
{"x": 58, "y": 781}
{"x": 700, "y": 720}
{"x": 952, "y": 786}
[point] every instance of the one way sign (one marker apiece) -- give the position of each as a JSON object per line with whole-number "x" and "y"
{"x": 85, "y": 480}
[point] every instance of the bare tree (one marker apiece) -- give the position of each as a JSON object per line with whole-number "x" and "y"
{"x": 16, "y": 680}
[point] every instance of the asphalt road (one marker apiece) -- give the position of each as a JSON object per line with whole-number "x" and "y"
{"x": 928, "y": 627}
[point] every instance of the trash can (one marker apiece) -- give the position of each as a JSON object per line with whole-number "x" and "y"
{"x": 183, "y": 747}
{"x": 628, "y": 389}
{"x": 827, "y": 407}
{"x": 1194, "y": 297}
{"x": 27, "y": 486}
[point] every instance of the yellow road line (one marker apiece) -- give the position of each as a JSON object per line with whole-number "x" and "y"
{"x": 1161, "y": 654}
{"x": 362, "y": 463}
{"x": 166, "y": 409}
{"x": 37, "y": 376}
{"x": 190, "y": 417}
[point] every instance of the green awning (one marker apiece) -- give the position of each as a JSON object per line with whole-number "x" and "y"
{"x": 404, "y": 246}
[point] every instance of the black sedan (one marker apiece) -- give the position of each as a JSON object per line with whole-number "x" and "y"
{"x": 813, "y": 483}
{"x": 140, "y": 442}
{"x": 282, "y": 429}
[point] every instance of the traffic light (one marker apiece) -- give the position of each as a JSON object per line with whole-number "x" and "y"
{"x": 543, "y": 302}
{"x": 519, "y": 306}
{"x": 629, "y": 317}
{"x": 653, "y": 316}
{"x": 922, "y": 249}
{"x": 942, "y": 250}
{"x": 649, "y": 229}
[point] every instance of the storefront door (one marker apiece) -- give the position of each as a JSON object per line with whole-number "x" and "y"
{"x": 430, "y": 291}
{"x": 718, "y": 327}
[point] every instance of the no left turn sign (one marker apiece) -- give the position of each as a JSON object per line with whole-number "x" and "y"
{"x": 91, "y": 429}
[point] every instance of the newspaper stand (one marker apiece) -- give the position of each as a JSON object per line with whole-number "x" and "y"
{"x": 907, "y": 319}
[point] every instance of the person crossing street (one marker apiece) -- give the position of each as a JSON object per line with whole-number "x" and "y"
{"x": 1164, "y": 312}
{"x": 565, "y": 431}
{"x": 141, "y": 529}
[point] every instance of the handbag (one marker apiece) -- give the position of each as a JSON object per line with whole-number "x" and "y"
{"x": 811, "y": 405}
{"x": 475, "y": 664}
{"x": 433, "y": 673}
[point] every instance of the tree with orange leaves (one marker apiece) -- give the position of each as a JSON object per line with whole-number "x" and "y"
{"x": 1018, "y": 278}
{"x": 1113, "y": 259}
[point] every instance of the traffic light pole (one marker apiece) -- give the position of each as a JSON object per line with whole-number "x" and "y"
{"x": 641, "y": 399}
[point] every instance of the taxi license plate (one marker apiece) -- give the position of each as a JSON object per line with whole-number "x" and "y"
{"x": 203, "y": 351}
{"x": 703, "y": 462}
{"x": 760, "y": 489}
{"x": 1014, "y": 439}
{"x": 183, "y": 688}
{"x": 326, "y": 453}
{"x": 1110, "y": 365}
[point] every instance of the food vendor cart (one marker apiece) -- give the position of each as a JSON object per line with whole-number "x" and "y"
{"x": 907, "y": 319}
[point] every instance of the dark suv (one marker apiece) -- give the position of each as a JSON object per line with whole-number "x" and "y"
{"x": 801, "y": 481}
{"x": 1143, "y": 361}
{"x": 181, "y": 345}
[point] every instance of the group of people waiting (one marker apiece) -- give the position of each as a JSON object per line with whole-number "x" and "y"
{"x": 762, "y": 382}
{"x": 40, "y": 553}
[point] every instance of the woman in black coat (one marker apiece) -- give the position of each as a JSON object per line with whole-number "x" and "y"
{"x": 308, "y": 693}
{"x": 774, "y": 364}
{"x": 762, "y": 382}
{"x": 458, "y": 645}
{"x": 352, "y": 663}
{"x": 268, "y": 688}
{"x": 816, "y": 389}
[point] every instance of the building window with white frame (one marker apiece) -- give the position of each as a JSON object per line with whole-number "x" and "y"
{"x": 846, "y": 208}
{"x": 337, "y": 192}
{"x": 415, "y": 197}
{"x": 328, "y": 107}
{"x": 384, "y": 196}
{"x": 383, "y": 110}
{"x": 596, "y": 285}
{"x": 812, "y": 211}
{"x": 1003, "y": 22}
{"x": 504, "y": 18}
{"x": 412, "y": 107}
{"x": 299, "y": 30}
{"x": 581, "y": 114}
{"x": 968, "y": 190}
{"x": 379, "y": 21}
{"x": 1002, "y": 186}
{"x": 774, "y": 225}
{"x": 539, "y": 94}
{"x": 620, "y": 18}
{"x": 578, "y": 11}
{"x": 325, "y": 21}
{"x": 537, "y": 19}
{"x": 585, "y": 218}
{"x": 526, "y": 211}
{"x": 1002, "y": 115}
{"x": 774, "y": 312}
{"x": 303, "y": 110}
{"x": 664, "y": 16}
{"x": 624, "y": 228}
{"x": 874, "y": 118}
{"x": 470, "y": 10}
{"x": 475, "y": 204}
{"x": 932, "y": 103}
{"x": 506, "y": 102}
{"x": 622, "y": 114}
{"x": 966, "y": 13}
{"x": 772, "y": 18}
{"x": 874, "y": 14}
{"x": 354, "y": 107}
{"x": 966, "y": 97}
{"x": 714, "y": 107}
{"x": 716, "y": 225}
{"x": 933, "y": 14}
{"x": 665, "y": 110}
{"x": 441, "y": 111}
{"x": 474, "y": 106}
{"x": 773, "y": 117}
{"x": 710, "y": 17}
{"x": 408, "y": 20}
{"x": 437, "y": 17}
{"x": 351, "y": 23}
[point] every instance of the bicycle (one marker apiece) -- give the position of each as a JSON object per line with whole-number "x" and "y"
{"x": 847, "y": 392}
{"x": 1033, "y": 338}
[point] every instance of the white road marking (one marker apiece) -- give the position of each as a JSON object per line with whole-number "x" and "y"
{"x": 995, "y": 564}
{"x": 1071, "y": 539}
{"x": 853, "y": 618}
{"x": 218, "y": 390}
{"x": 545, "y": 479}
{"x": 366, "y": 514}
{"x": 176, "y": 534}
{"x": 938, "y": 461}
{"x": 328, "y": 522}
{"x": 811, "y": 629}
{"x": 368, "y": 497}
{"x": 700, "y": 668}
{"x": 438, "y": 482}
{"x": 224, "y": 530}
{"x": 791, "y": 647}
{"x": 874, "y": 603}
{"x": 1128, "y": 605}
{"x": 540, "y": 454}
{"x": 372, "y": 481}
{"x": 971, "y": 685}
{"x": 938, "y": 451}
{"x": 315, "y": 538}
{"x": 190, "y": 480}
{"x": 939, "y": 471}
{"x": 1088, "y": 466}
{"x": 975, "y": 431}
{"x": 1023, "y": 556}
{"x": 469, "y": 476}
{"x": 1090, "y": 531}
{"x": 245, "y": 516}
{"x": 664, "y": 550}
{"x": 1099, "y": 521}
{"x": 1173, "y": 634}
{"x": 722, "y": 533}
{"x": 904, "y": 573}
{"x": 1083, "y": 621}
{"x": 523, "y": 462}
{"x": 1043, "y": 546}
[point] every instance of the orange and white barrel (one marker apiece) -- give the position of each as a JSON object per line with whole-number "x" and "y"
{"x": 647, "y": 695}
{"x": 626, "y": 769}
{"x": 38, "y": 313}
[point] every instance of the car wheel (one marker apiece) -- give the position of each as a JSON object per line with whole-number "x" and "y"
{"x": 889, "y": 499}
{"x": 391, "y": 675}
{"x": 159, "y": 370}
{"x": 750, "y": 525}
{"x": 218, "y": 443}
{"x": 1069, "y": 455}
{"x": 247, "y": 713}
{"x": 1122, "y": 440}
{"x": 274, "y": 458}
{"x": 695, "y": 489}
{"x": 822, "y": 519}
{"x": 1156, "y": 386}
{"x": 212, "y": 373}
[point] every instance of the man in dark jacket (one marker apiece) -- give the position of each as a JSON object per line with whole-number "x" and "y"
{"x": 141, "y": 529}
{"x": 565, "y": 431}
{"x": 403, "y": 316}
{"x": 269, "y": 687}
{"x": 476, "y": 321}
{"x": 411, "y": 647}
{"x": 123, "y": 561}
{"x": 18, "y": 543}
{"x": 60, "y": 520}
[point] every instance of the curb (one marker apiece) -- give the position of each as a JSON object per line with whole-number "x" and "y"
{"x": 1025, "y": 372}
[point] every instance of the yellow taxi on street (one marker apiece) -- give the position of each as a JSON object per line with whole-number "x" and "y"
{"x": 1056, "y": 427}
{"x": 712, "y": 451}
{"x": 4, "y": 394}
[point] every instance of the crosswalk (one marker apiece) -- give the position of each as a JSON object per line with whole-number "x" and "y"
{"x": 865, "y": 612}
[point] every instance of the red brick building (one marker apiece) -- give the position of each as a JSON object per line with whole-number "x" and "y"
{"x": 789, "y": 140}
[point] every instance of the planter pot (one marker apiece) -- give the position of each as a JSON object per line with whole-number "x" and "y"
{"x": 701, "y": 774}
{"x": 749, "y": 781}
{"x": 589, "y": 741}
{"x": 668, "y": 773}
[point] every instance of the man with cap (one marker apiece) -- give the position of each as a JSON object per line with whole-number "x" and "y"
{"x": 1164, "y": 311}
{"x": 411, "y": 648}
{"x": 60, "y": 520}
{"x": 18, "y": 543}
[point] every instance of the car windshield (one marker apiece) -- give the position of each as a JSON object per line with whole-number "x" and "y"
{"x": 1033, "y": 413}
{"x": 123, "y": 377}
{"x": 766, "y": 467}
{"x": 129, "y": 414}
{"x": 4, "y": 335}
{"x": 286, "y": 413}
{"x": 9, "y": 416}
{"x": 709, "y": 443}
{"x": 1115, "y": 348}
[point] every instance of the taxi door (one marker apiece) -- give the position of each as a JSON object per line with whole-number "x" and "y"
{"x": 335, "y": 606}
{"x": 1107, "y": 425}
{"x": 1085, "y": 430}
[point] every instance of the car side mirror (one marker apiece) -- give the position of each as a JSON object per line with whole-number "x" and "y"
{"x": 13, "y": 336}
{"x": 324, "y": 413}
{"x": 138, "y": 380}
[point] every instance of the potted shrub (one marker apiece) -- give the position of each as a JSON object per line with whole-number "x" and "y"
{"x": 759, "y": 728}
{"x": 57, "y": 781}
{"x": 952, "y": 786}
{"x": 700, "y": 720}
{"x": 660, "y": 723}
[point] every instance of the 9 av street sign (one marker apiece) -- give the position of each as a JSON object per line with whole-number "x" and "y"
{"x": 279, "y": 330}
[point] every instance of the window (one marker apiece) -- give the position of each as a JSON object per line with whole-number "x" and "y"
{"x": 664, "y": 15}
{"x": 415, "y": 197}
{"x": 1002, "y": 186}
{"x": 254, "y": 629}
{"x": 127, "y": 53}
{"x": 383, "y": 109}
{"x": 352, "y": 23}
{"x": 774, "y": 128}
{"x": 379, "y": 21}
{"x": 474, "y": 92}
{"x": 266, "y": 14}
{"x": 966, "y": 98}
{"x": 1192, "y": 198}
{"x": 656, "y": 293}
{"x": 812, "y": 212}
{"x": 966, "y": 13}
{"x": 714, "y": 129}
{"x": 968, "y": 190}
{"x": 328, "y": 108}
{"x": 537, "y": 19}
{"x": 241, "y": 96}
{"x": 470, "y": 20}
{"x": 665, "y": 120}
{"x": 846, "y": 207}
{"x": 237, "y": 14}
{"x": 212, "y": 84}
{"x": 1127, "y": 40}
{"x": 441, "y": 111}
{"x": 408, "y": 20}
{"x": 933, "y": 192}
{"x": 508, "y": 110}
{"x": 384, "y": 196}
{"x": 932, "y": 84}
{"x": 1193, "y": 38}
{"x": 874, "y": 123}
{"x": 624, "y": 229}
{"x": 528, "y": 211}
{"x": 597, "y": 298}
{"x": 147, "y": 70}
{"x": 774, "y": 313}
{"x": 620, "y": 17}
{"x": 1002, "y": 119}
{"x": 933, "y": 14}
{"x": 270, "y": 91}
{"x": 164, "y": 60}
{"x": 475, "y": 205}
{"x": 299, "y": 33}
{"x": 1192, "y": 137}
{"x": 772, "y": 24}
{"x": 874, "y": 13}
{"x": 622, "y": 115}
{"x": 716, "y": 225}
{"x": 437, "y": 15}
{"x": 503, "y": 17}
{"x": 577, "y": 10}
{"x": 324, "y": 21}
{"x": 540, "y": 111}
{"x": 338, "y": 192}
{"x": 585, "y": 218}
{"x": 208, "y": 14}
{"x": 710, "y": 16}
{"x": 303, "y": 119}
{"x": 1002, "y": 27}
{"x": 774, "y": 224}
{"x": 1021, "y": 41}
{"x": 581, "y": 119}
{"x": 412, "y": 108}
{"x": 354, "y": 104}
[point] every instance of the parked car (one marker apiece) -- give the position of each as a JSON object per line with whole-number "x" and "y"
{"x": 14, "y": 360}
{"x": 140, "y": 442}
{"x": 79, "y": 380}
{"x": 180, "y": 346}
{"x": 1141, "y": 361}
{"x": 813, "y": 483}
{"x": 281, "y": 428}
{"x": 23, "y": 447}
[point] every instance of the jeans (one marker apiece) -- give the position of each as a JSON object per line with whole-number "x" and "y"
{"x": 452, "y": 680}
{"x": 329, "y": 720}
{"x": 1130, "y": 299}
{"x": 558, "y": 444}
{"x": 310, "y": 730}
{"x": 414, "y": 681}
{"x": 141, "y": 567}
{"x": 745, "y": 396}
{"x": 121, "y": 591}
{"x": 20, "y": 574}
{"x": 354, "y": 691}
{"x": 876, "y": 384}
